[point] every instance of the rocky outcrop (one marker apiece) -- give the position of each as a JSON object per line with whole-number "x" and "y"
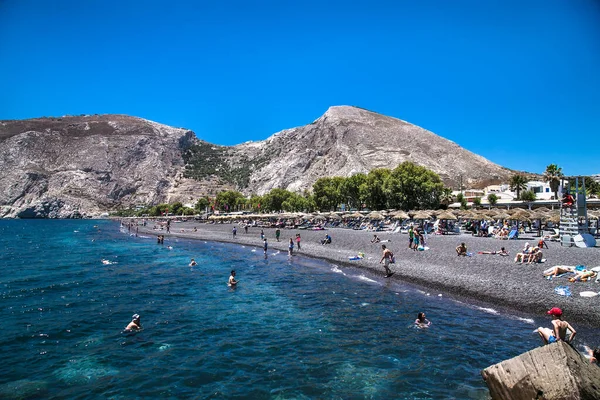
{"x": 72, "y": 166}
{"x": 552, "y": 372}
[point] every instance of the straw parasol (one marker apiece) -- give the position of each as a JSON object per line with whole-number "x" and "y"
{"x": 543, "y": 209}
{"x": 334, "y": 216}
{"x": 554, "y": 218}
{"x": 400, "y": 215}
{"x": 320, "y": 217}
{"x": 375, "y": 215}
{"x": 447, "y": 216}
{"x": 469, "y": 215}
{"x": 421, "y": 215}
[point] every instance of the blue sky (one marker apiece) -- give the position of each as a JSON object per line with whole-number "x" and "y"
{"x": 517, "y": 82}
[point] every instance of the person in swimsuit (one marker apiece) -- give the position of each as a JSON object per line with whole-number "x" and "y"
{"x": 461, "y": 250}
{"x": 232, "y": 281}
{"x": 135, "y": 324}
{"x": 421, "y": 321}
{"x": 375, "y": 239}
{"x": 298, "y": 239}
{"x": 386, "y": 258}
{"x": 291, "y": 247}
{"x": 193, "y": 263}
{"x": 559, "y": 329}
{"x": 265, "y": 245}
{"x": 501, "y": 252}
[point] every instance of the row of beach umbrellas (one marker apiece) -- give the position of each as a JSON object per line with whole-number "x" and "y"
{"x": 517, "y": 214}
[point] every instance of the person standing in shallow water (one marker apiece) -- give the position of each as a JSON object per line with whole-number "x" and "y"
{"x": 291, "y": 247}
{"x": 265, "y": 246}
{"x": 135, "y": 324}
{"x": 386, "y": 258}
{"x": 232, "y": 281}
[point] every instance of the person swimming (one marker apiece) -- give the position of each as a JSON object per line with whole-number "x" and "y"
{"x": 193, "y": 263}
{"x": 135, "y": 324}
{"x": 421, "y": 321}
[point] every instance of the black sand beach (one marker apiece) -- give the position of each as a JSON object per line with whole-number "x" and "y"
{"x": 490, "y": 279}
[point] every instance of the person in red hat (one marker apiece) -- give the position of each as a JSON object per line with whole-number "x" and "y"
{"x": 559, "y": 331}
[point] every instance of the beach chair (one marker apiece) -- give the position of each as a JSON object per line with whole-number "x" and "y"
{"x": 514, "y": 234}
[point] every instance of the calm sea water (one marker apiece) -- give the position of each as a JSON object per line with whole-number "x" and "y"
{"x": 293, "y": 329}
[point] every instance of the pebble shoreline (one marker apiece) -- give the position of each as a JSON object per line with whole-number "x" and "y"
{"x": 488, "y": 279}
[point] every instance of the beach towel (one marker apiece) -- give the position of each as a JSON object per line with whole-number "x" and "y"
{"x": 563, "y": 291}
{"x": 588, "y": 294}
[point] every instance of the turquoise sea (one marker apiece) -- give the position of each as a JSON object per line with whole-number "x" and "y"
{"x": 293, "y": 328}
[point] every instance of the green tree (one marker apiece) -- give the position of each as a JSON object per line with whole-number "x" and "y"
{"x": 350, "y": 190}
{"x": 274, "y": 200}
{"x": 492, "y": 199}
{"x": 176, "y": 208}
{"x": 228, "y": 200}
{"x": 591, "y": 186}
{"x": 553, "y": 175}
{"x": 326, "y": 193}
{"x": 518, "y": 182}
{"x": 477, "y": 202}
{"x": 529, "y": 197}
{"x": 201, "y": 204}
{"x": 372, "y": 191}
{"x": 412, "y": 187}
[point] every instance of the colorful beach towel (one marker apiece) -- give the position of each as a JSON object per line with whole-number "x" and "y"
{"x": 563, "y": 291}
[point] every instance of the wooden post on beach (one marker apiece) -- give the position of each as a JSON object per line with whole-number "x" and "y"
{"x": 551, "y": 372}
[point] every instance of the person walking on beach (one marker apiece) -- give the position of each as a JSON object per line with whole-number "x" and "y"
{"x": 411, "y": 234}
{"x": 135, "y": 324}
{"x": 262, "y": 233}
{"x": 298, "y": 240}
{"x": 234, "y": 231}
{"x": 291, "y": 247}
{"x": 386, "y": 258}
{"x": 277, "y": 234}
{"x": 246, "y": 228}
{"x": 559, "y": 328}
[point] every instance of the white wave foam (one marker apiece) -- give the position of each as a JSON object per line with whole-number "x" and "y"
{"x": 337, "y": 270}
{"x": 488, "y": 310}
{"x": 364, "y": 278}
{"x": 528, "y": 320}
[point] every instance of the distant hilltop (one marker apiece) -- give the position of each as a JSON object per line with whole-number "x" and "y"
{"x": 86, "y": 165}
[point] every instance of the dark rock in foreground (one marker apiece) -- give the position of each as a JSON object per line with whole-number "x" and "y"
{"x": 555, "y": 371}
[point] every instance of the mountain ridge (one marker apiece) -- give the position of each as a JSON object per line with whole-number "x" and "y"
{"x": 65, "y": 166}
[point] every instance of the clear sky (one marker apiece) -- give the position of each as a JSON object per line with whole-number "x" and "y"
{"x": 517, "y": 82}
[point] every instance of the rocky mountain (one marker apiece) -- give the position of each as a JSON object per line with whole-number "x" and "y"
{"x": 347, "y": 140}
{"x": 86, "y": 165}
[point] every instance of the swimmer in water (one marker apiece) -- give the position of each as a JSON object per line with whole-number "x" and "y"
{"x": 232, "y": 282}
{"x": 421, "y": 321}
{"x": 135, "y": 324}
{"x": 193, "y": 263}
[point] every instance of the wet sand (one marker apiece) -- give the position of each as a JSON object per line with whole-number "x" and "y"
{"x": 490, "y": 279}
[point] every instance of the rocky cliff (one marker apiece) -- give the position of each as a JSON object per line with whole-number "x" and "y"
{"x": 64, "y": 167}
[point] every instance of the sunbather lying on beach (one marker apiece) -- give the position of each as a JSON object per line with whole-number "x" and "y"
{"x": 501, "y": 252}
{"x": 558, "y": 270}
{"x": 582, "y": 276}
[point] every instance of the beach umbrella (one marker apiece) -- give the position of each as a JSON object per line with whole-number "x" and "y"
{"x": 543, "y": 209}
{"x": 319, "y": 217}
{"x": 502, "y": 215}
{"x": 554, "y": 218}
{"x": 400, "y": 215}
{"x": 334, "y": 216}
{"x": 421, "y": 215}
{"x": 375, "y": 215}
{"x": 521, "y": 215}
{"x": 469, "y": 215}
{"x": 447, "y": 216}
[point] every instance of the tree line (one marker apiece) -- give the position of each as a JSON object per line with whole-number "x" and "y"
{"x": 406, "y": 187}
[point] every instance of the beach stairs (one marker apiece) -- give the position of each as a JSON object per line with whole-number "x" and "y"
{"x": 569, "y": 226}
{"x": 551, "y": 372}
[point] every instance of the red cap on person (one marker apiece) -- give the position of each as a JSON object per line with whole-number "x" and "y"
{"x": 555, "y": 311}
